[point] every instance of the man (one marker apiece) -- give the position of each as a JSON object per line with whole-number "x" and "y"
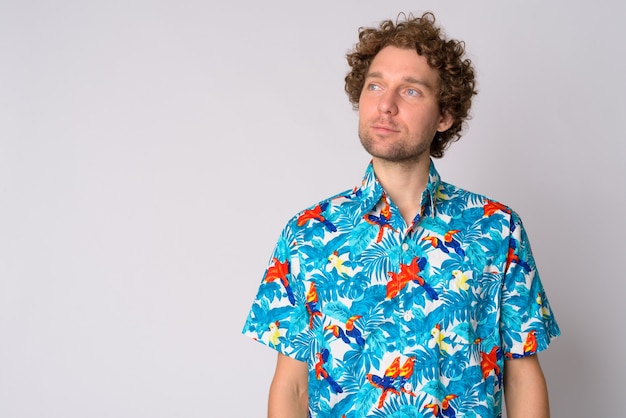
{"x": 405, "y": 296}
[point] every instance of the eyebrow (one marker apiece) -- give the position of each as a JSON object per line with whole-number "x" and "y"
{"x": 408, "y": 79}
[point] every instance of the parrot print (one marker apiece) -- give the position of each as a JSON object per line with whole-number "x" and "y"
{"x": 381, "y": 220}
{"x": 409, "y": 273}
{"x": 316, "y": 214}
{"x": 397, "y": 319}
{"x": 311, "y": 305}
{"x": 393, "y": 380}
{"x": 279, "y": 271}
{"x": 322, "y": 373}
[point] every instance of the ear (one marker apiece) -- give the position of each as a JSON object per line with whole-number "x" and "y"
{"x": 445, "y": 122}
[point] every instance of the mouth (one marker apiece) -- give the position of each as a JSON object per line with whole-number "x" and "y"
{"x": 384, "y": 129}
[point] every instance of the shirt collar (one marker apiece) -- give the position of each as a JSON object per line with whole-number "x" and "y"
{"x": 371, "y": 191}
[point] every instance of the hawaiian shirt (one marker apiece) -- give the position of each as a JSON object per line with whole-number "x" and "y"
{"x": 398, "y": 320}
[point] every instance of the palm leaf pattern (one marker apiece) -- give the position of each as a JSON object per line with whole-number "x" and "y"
{"x": 405, "y": 314}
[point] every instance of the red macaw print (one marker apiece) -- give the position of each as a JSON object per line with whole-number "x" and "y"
{"x": 279, "y": 270}
{"x": 408, "y": 273}
{"x": 530, "y": 345}
{"x": 489, "y": 362}
{"x": 406, "y": 371}
{"x": 512, "y": 257}
{"x": 316, "y": 214}
{"x": 394, "y": 374}
{"x": 322, "y": 373}
{"x": 386, "y": 383}
{"x": 382, "y": 220}
{"x": 311, "y": 305}
{"x": 492, "y": 207}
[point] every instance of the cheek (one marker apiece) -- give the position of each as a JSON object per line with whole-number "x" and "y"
{"x": 366, "y": 106}
{"x": 363, "y": 109}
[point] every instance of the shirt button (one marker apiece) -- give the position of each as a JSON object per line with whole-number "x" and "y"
{"x": 405, "y": 246}
{"x": 408, "y": 315}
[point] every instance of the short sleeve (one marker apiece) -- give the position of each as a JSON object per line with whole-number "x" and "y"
{"x": 527, "y": 322}
{"x": 278, "y": 311}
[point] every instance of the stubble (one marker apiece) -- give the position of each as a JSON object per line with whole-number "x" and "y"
{"x": 396, "y": 148}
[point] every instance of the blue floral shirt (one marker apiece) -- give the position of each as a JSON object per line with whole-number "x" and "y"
{"x": 398, "y": 320}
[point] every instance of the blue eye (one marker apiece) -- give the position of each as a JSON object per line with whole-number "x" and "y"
{"x": 373, "y": 87}
{"x": 412, "y": 92}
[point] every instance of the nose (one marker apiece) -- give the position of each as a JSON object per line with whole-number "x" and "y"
{"x": 388, "y": 103}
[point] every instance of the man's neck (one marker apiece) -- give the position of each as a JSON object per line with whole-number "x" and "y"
{"x": 404, "y": 183}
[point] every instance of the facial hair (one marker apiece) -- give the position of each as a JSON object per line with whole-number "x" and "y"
{"x": 399, "y": 150}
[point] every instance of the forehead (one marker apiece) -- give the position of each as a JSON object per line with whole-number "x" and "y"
{"x": 393, "y": 62}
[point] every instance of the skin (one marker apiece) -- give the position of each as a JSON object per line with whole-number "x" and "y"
{"x": 398, "y": 117}
{"x": 289, "y": 389}
{"x": 525, "y": 389}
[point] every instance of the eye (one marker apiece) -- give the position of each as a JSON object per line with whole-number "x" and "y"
{"x": 373, "y": 87}
{"x": 412, "y": 92}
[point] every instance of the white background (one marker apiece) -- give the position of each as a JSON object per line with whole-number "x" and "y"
{"x": 151, "y": 151}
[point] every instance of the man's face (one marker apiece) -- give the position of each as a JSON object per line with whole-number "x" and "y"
{"x": 399, "y": 107}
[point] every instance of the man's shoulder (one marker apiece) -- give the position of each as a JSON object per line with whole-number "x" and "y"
{"x": 459, "y": 199}
{"x": 452, "y": 192}
{"x": 329, "y": 207}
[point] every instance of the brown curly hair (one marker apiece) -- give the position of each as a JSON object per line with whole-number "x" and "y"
{"x": 456, "y": 73}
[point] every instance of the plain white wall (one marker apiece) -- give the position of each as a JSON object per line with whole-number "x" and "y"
{"x": 151, "y": 151}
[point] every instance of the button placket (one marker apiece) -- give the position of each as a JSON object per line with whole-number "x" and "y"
{"x": 407, "y": 315}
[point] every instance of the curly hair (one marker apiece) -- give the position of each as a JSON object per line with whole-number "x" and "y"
{"x": 446, "y": 56}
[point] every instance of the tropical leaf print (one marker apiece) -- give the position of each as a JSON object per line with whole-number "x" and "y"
{"x": 398, "y": 320}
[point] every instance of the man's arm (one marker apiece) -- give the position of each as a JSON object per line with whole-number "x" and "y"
{"x": 525, "y": 389}
{"x": 289, "y": 396}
